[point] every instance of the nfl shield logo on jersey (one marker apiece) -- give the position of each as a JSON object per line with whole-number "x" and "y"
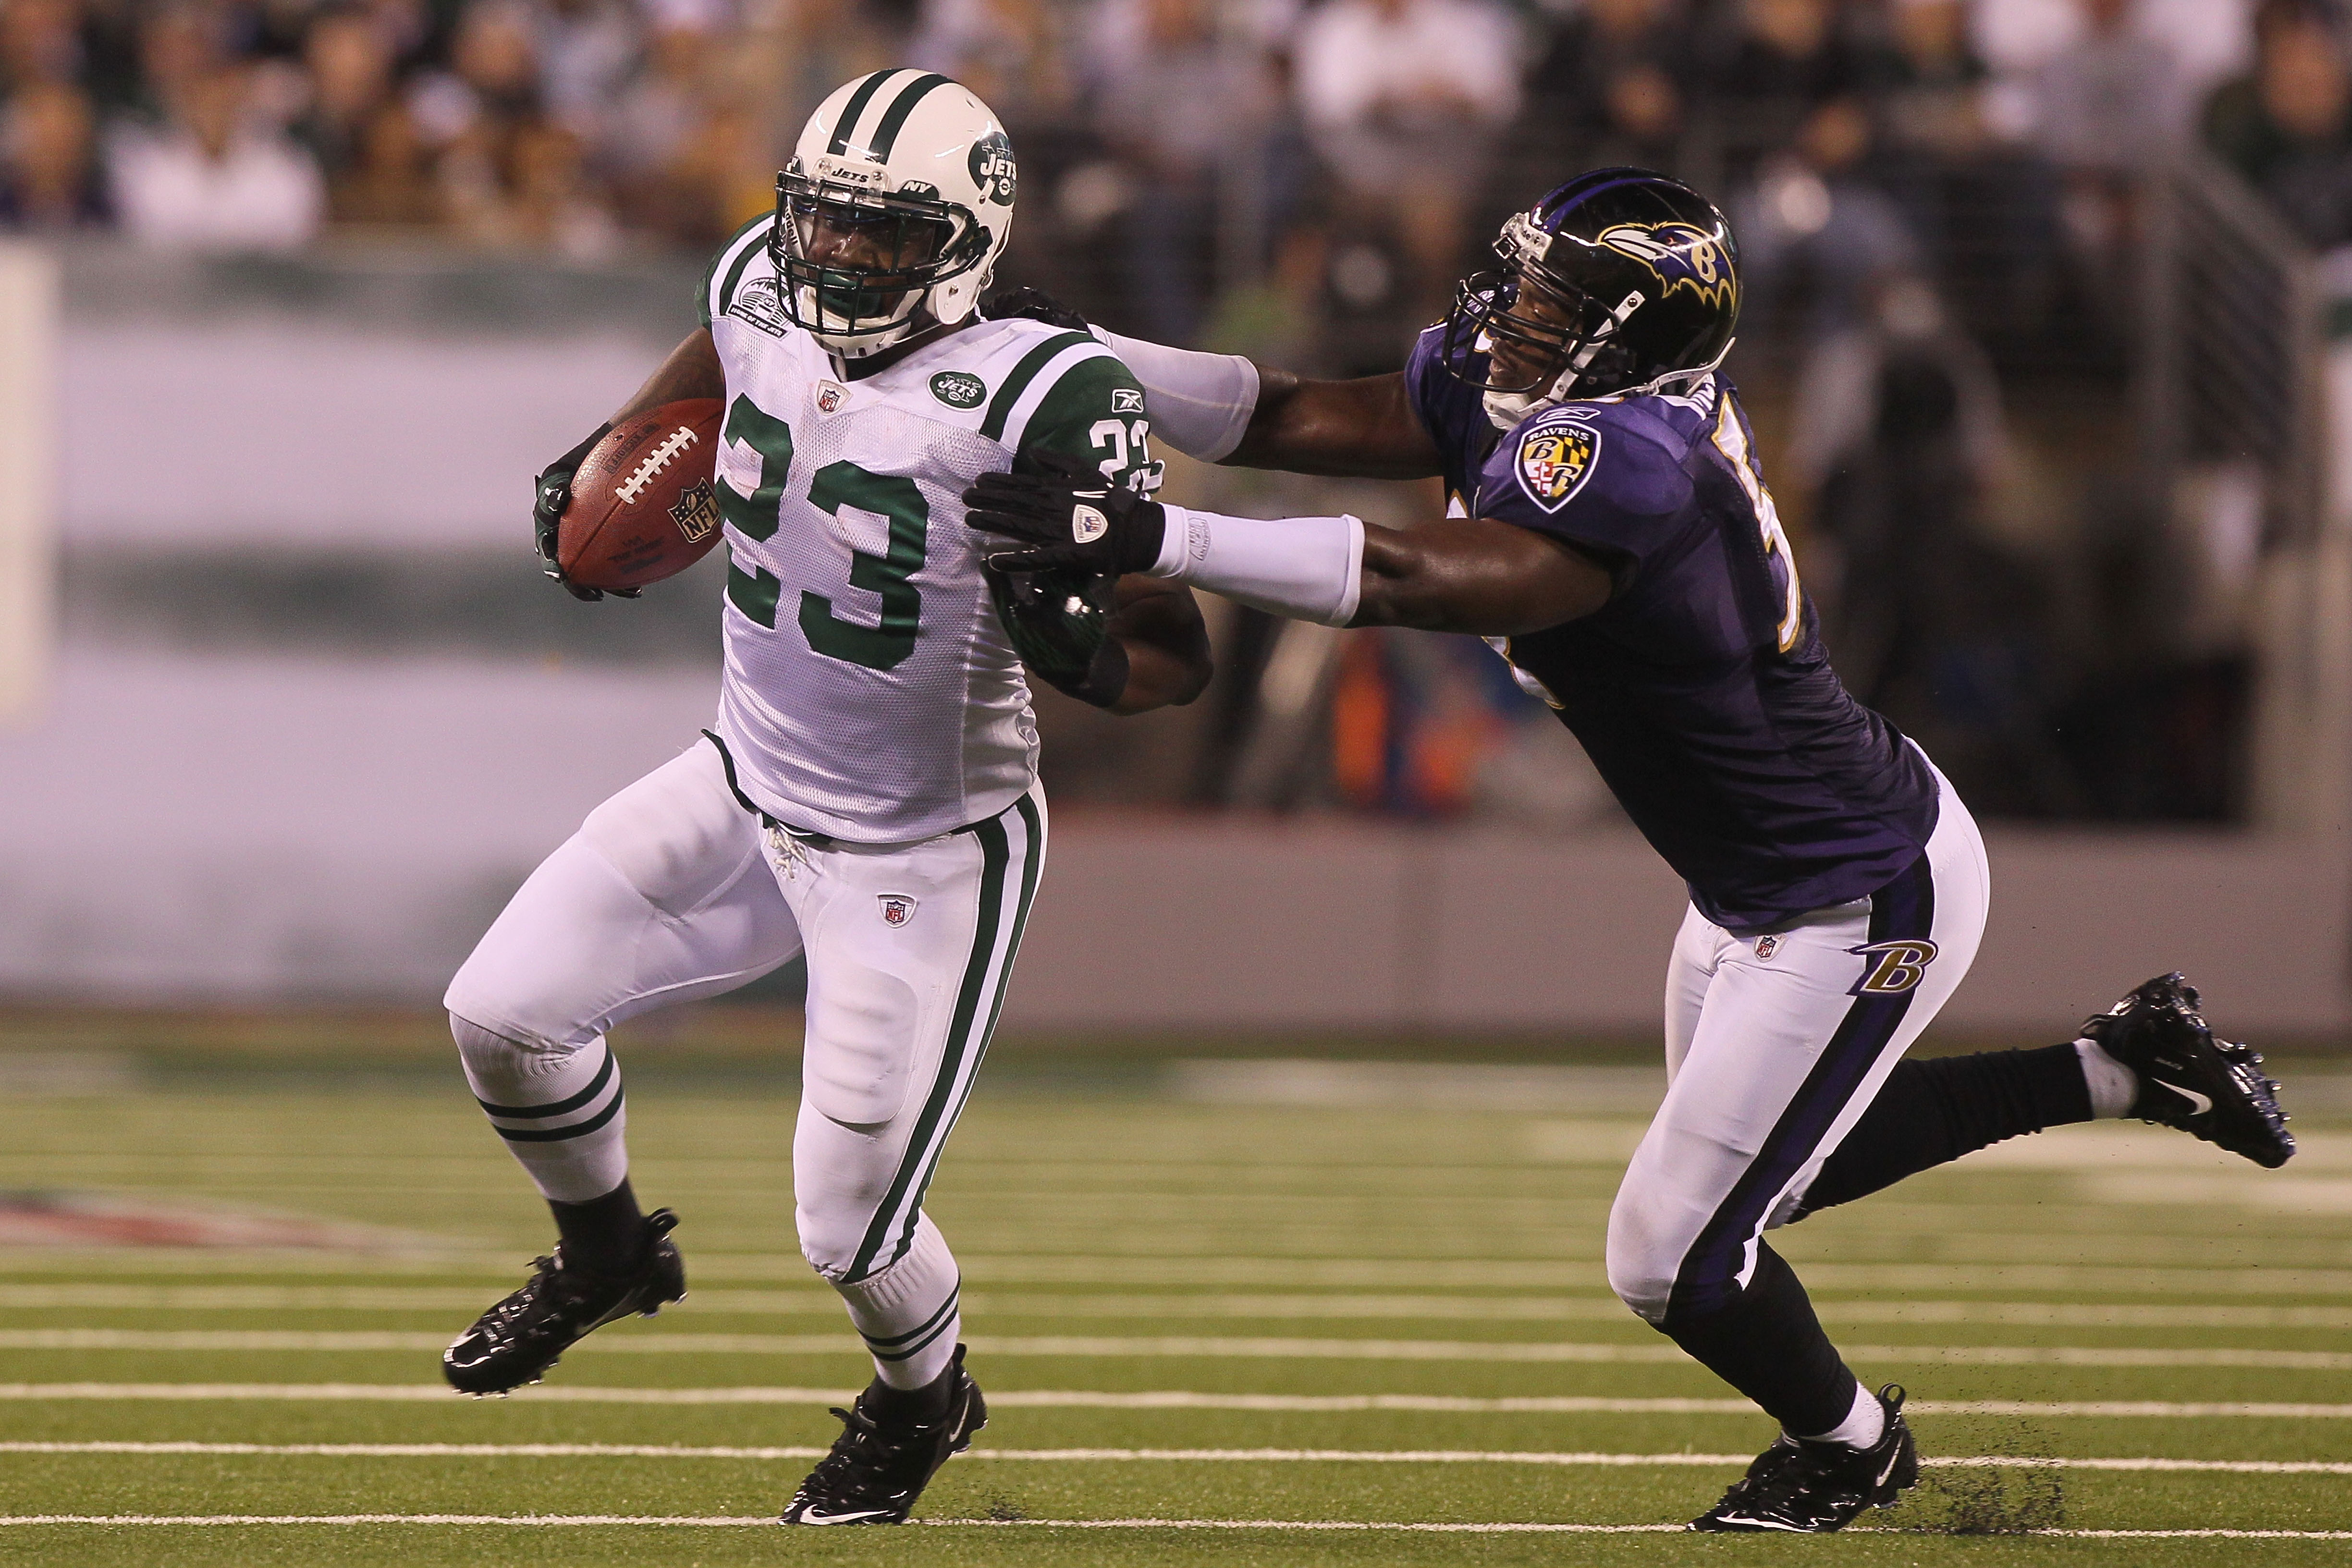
{"x": 1554, "y": 462}
{"x": 829, "y": 395}
{"x": 897, "y": 908}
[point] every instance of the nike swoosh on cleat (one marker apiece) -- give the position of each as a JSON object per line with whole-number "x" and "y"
{"x": 812, "y": 1516}
{"x": 1755, "y": 1523}
{"x": 2199, "y": 1104}
{"x": 1893, "y": 1459}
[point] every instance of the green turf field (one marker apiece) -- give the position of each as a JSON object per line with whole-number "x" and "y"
{"x": 1227, "y": 1333}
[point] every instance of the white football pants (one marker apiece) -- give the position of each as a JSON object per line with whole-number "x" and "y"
{"x": 1775, "y": 1046}
{"x": 673, "y": 890}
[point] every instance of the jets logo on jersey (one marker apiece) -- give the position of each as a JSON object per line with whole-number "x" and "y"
{"x": 897, "y": 908}
{"x": 1891, "y": 968}
{"x": 959, "y": 389}
{"x": 1555, "y": 459}
{"x": 1679, "y": 255}
{"x": 697, "y": 511}
{"x": 992, "y": 168}
{"x": 756, "y": 304}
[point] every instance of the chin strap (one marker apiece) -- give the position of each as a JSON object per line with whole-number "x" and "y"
{"x": 1506, "y": 409}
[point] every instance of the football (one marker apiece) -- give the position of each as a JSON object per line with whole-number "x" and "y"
{"x": 643, "y": 508}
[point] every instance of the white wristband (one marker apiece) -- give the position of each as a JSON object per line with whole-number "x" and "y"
{"x": 1308, "y": 568}
{"x": 1201, "y": 404}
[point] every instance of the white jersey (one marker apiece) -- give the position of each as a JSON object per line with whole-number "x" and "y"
{"x": 870, "y": 692}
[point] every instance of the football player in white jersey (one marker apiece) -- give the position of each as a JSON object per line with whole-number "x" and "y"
{"x": 868, "y": 794}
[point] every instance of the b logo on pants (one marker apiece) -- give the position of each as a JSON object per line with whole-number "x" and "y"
{"x": 1893, "y": 967}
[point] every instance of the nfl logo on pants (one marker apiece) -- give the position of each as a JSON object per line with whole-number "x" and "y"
{"x": 897, "y": 908}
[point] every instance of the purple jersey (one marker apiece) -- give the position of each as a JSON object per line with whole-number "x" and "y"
{"x": 1701, "y": 690}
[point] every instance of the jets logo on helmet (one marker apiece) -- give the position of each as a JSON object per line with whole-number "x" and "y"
{"x": 1678, "y": 256}
{"x": 993, "y": 170}
{"x": 877, "y": 234}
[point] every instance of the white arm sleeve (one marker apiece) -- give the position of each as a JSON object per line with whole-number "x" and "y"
{"x": 1308, "y": 568}
{"x": 1201, "y": 404}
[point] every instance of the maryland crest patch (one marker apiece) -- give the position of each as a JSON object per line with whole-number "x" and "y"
{"x": 1555, "y": 459}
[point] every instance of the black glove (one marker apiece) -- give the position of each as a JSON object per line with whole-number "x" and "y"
{"x": 1066, "y": 517}
{"x": 1030, "y": 304}
{"x": 1056, "y": 623}
{"x": 551, "y": 493}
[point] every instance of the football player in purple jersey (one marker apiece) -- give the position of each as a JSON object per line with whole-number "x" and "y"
{"x": 1611, "y": 534}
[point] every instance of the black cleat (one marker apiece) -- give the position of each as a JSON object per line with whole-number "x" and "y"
{"x": 2187, "y": 1079}
{"x": 1812, "y": 1488}
{"x": 879, "y": 1468}
{"x": 517, "y": 1341}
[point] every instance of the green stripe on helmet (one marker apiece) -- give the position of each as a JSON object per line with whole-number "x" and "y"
{"x": 885, "y": 135}
{"x": 855, "y": 107}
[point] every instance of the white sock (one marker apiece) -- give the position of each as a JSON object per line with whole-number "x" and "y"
{"x": 561, "y": 1112}
{"x": 1864, "y": 1425}
{"x": 907, "y": 1314}
{"x": 2112, "y": 1086}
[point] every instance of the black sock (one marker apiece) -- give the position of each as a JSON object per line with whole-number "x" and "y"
{"x": 1934, "y": 1110}
{"x": 894, "y": 1405}
{"x": 604, "y": 1235}
{"x": 1769, "y": 1345}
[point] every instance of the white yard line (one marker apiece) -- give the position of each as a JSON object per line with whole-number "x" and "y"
{"x": 1206, "y": 1347}
{"x": 1232, "y": 1266}
{"x": 573, "y": 1520}
{"x": 821, "y": 1303}
{"x": 1088, "y": 1399}
{"x": 1144, "y": 1455}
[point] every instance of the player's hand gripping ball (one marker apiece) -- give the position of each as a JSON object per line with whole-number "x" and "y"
{"x": 635, "y": 505}
{"x": 1068, "y": 517}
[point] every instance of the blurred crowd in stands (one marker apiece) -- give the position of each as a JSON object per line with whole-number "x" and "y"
{"x": 1938, "y": 205}
{"x": 1208, "y": 127}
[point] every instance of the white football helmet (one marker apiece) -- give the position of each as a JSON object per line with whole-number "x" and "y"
{"x": 893, "y": 211}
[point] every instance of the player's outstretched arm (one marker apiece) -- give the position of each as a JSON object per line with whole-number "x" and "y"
{"x": 1229, "y": 409}
{"x": 1455, "y": 575}
{"x": 1470, "y": 574}
{"x": 1346, "y": 430}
